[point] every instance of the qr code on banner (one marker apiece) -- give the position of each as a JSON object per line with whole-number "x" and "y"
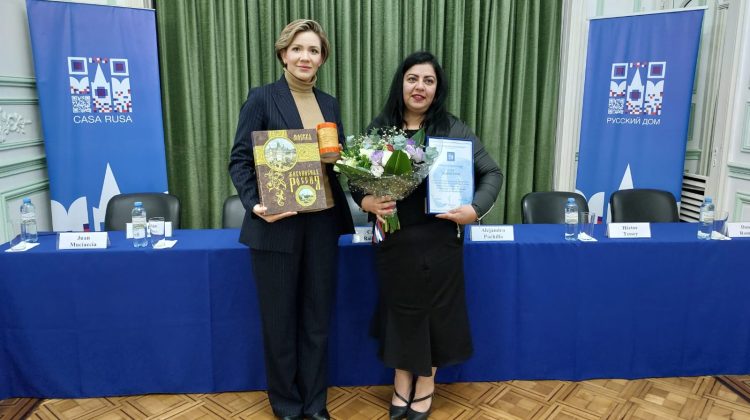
{"x": 616, "y": 105}
{"x": 81, "y": 104}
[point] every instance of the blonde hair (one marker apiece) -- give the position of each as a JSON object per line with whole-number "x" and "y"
{"x": 301, "y": 25}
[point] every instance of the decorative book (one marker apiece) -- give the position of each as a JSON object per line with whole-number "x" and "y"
{"x": 290, "y": 174}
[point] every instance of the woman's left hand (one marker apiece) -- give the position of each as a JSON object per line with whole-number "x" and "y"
{"x": 462, "y": 215}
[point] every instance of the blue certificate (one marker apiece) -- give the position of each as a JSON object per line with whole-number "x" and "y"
{"x": 451, "y": 180}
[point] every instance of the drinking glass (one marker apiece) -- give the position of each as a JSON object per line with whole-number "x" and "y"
{"x": 586, "y": 222}
{"x": 13, "y": 232}
{"x": 720, "y": 223}
{"x": 156, "y": 229}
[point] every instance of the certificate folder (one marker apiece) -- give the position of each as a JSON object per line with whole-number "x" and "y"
{"x": 450, "y": 183}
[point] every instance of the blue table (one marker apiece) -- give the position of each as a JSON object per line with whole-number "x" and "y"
{"x": 185, "y": 320}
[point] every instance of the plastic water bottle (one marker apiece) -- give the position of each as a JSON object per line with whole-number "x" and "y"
{"x": 571, "y": 220}
{"x": 706, "y": 221}
{"x": 138, "y": 218}
{"x": 28, "y": 221}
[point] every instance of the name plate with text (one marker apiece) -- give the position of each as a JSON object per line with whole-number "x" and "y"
{"x": 482, "y": 233}
{"x": 362, "y": 234}
{"x": 629, "y": 230}
{"x": 82, "y": 240}
{"x": 738, "y": 230}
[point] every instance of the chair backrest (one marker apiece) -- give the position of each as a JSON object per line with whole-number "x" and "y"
{"x": 549, "y": 206}
{"x": 156, "y": 204}
{"x": 643, "y": 205}
{"x": 234, "y": 213}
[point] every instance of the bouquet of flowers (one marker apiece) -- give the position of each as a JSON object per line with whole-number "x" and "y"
{"x": 385, "y": 162}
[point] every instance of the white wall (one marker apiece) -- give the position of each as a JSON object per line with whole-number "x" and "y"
{"x": 22, "y": 162}
{"x": 734, "y": 164}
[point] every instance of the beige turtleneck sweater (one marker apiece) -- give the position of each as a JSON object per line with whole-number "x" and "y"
{"x": 304, "y": 98}
{"x": 311, "y": 115}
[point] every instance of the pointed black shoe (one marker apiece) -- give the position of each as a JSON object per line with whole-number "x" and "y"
{"x": 297, "y": 417}
{"x": 418, "y": 415}
{"x": 397, "y": 412}
{"x": 320, "y": 415}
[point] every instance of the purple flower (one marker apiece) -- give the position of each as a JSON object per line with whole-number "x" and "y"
{"x": 410, "y": 149}
{"x": 416, "y": 153}
{"x": 377, "y": 157}
{"x": 419, "y": 155}
{"x": 410, "y": 142}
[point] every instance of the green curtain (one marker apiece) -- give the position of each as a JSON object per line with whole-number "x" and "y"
{"x": 501, "y": 58}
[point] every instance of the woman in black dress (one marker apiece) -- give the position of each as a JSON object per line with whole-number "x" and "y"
{"x": 421, "y": 321}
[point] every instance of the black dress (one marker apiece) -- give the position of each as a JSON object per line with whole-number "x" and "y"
{"x": 421, "y": 320}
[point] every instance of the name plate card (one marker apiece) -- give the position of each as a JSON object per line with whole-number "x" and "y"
{"x": 489, "y": 233}
{"x": 362, "y": 234}
{"x": 82, "y": 240}
{"x": 629, "y": 230}
{"x": 738, "y": 230}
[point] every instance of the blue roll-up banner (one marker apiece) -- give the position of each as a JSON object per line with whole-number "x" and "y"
{"x": 97, "y": 75}
{"x": 636, "y": 103}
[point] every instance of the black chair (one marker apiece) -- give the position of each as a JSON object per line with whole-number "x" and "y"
{"x": 643, "y": 205}
{"x": 549, "y": 206}
{"x": 156, "y": 204}
{"x": 234, "y": 213}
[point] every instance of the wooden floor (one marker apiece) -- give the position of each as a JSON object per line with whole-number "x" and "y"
{"x": 665, "y": 398}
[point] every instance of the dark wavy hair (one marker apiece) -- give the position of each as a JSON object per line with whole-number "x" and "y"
{"x": 436, "y": 117}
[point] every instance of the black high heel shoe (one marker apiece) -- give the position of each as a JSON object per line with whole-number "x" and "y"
{"x": 397, "y": 412}
{"x": 419, "y": 415}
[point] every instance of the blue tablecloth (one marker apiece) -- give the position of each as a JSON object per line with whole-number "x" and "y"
{"x": 185, "y": 320}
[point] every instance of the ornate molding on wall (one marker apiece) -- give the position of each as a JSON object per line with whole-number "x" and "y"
{"x": 740, "y": 201}
{"x": 12, "y": 122}
{"x": 35, "y": 164}
{"x": 15, "y": 81}
{"x": 18, "y": 192}
{"x": 693, "y": 154}
{"x": 739, "y": 171}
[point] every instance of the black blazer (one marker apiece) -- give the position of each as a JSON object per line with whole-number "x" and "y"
{"x": 272, "y": 107}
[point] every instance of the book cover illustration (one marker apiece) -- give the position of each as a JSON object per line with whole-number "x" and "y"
{"x": 289, "y": 170}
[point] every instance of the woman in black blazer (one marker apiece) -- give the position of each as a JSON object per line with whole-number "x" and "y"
{"x": 293, "y": 255}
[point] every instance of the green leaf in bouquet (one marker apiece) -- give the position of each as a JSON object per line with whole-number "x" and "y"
{"x": 418, "y": 137}
{"x": 352, "y": 172}
{"x": 398, "y": 164}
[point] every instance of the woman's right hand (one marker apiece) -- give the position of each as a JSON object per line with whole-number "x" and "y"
{"x": 379, "y": 206}
{"x": 260, "y": 211}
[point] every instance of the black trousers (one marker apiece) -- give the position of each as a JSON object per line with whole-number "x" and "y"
{"x": 296, "y": 291}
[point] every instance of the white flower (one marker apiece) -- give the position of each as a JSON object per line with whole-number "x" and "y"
{"x": 386, "y": 155}
{"x": 376, "y": 170}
